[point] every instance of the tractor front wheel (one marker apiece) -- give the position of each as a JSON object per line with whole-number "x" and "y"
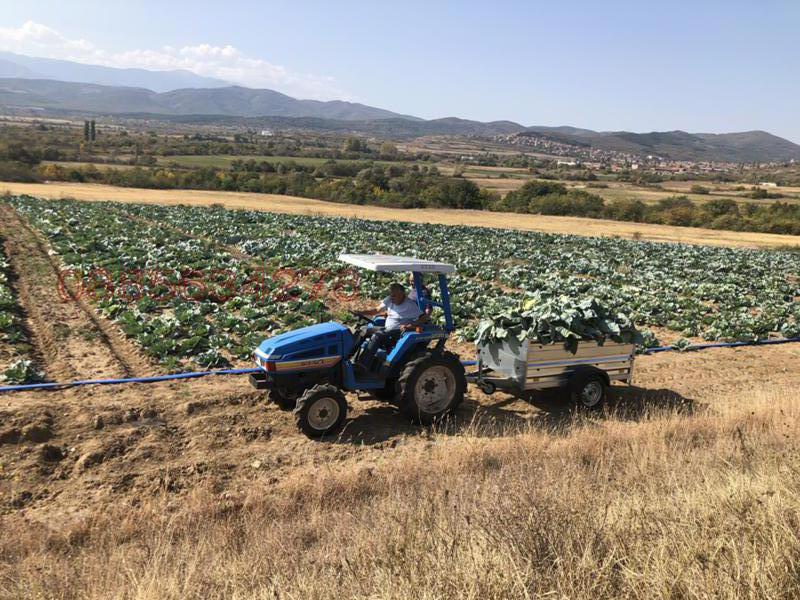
{"x": 431, "y": 386}
{"x": 321, "y": 410}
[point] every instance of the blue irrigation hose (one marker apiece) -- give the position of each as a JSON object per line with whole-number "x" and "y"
{"x": 192, "y": 375}
{"x": 719, "y": 345}
{"x": 466, "y": 363}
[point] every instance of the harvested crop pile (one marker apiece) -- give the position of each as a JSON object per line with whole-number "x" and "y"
{"x": 548, "y": 320}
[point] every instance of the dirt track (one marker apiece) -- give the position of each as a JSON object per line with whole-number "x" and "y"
{"x": 67, "y": 333}
{"x": 295, "y": 205}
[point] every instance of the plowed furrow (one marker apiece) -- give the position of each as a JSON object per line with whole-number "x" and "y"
{"x": 74, "y": 341}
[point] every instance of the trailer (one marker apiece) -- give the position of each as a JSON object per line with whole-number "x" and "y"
{"x": 586, "y": 371}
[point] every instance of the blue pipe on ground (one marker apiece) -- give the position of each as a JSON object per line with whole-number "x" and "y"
{"x": 196, "y": 374}
{"x": 192, "y": 375}
{"x": 719, "y": 345}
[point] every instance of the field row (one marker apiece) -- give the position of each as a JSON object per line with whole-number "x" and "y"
{"x": 197, "y": 286}
{"x": 16, "y": 364}
{"x": 715, "y": 293}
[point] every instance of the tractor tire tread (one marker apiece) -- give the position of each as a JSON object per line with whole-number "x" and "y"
{"x": 281, "y": 401}
{"x": 405, "y": 387}
{"x": 303, "y": 404}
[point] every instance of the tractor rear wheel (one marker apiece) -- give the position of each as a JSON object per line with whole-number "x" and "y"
{"x": 431, "y": 386}
{"x": 321, "y": 410}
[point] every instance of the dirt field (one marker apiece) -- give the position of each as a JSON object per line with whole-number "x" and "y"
{"x": 295, "y": 205}
{"x": 686, "y": 486}
{"x": 201, "y": 490}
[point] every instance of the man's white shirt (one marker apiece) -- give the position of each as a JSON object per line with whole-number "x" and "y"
{"x": 400, "y": 314}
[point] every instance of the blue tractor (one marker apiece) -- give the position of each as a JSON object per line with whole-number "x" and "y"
{"x": 309, "y": 370}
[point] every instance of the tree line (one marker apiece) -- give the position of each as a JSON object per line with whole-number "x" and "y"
{"x": 352, "y": 183}
{"x": 549, "y": 198}
{"x": 413, "y": 186}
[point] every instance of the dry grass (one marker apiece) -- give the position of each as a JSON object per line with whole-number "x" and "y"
{"x": 295, "y": 205}
{"x": 684, "y": 504}
{"x": 496, "y": 184}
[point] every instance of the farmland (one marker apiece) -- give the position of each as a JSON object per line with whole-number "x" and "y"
{"x": 437, "y": 173}
{"x": 130, "y": 260}
{"x": 168, "y": 489}
{"x": 307, "y": 206}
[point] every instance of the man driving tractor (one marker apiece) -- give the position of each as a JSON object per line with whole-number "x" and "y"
{"x": 402, "y": 314}
{"x": 310, "y": 369}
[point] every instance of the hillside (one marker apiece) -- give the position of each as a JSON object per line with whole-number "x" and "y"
{"x": 226, "y": 101}
{"x": 746, "y": 146}
{"x": 236, "y": 105}
{"x": 31, "y": 67}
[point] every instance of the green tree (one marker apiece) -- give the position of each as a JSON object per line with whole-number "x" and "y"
{"x": 355, "y": 144}
{"x": 721, "y": 206}
{"x": 388, "y": 151}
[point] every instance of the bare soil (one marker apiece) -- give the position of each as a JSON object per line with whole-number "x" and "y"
{"x": 123, "y": 444}
{"x": 68, "y": 335}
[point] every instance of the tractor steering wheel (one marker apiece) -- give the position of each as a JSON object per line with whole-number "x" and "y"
{"x": 362, "y": 317}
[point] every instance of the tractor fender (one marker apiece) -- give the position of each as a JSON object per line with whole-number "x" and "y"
{"x": 408, "y": 354}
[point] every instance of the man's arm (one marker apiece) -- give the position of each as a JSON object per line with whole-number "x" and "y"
{"x": 373, "y": 312}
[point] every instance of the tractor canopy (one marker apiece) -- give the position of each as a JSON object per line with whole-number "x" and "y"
{"x": 387, "y": 263}
{"x": 393, "y": 264}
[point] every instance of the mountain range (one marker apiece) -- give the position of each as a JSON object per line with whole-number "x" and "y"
{"x": 231, "y": 101}
{"x": 65, "y": 87}
{"x": 31, "y": 67}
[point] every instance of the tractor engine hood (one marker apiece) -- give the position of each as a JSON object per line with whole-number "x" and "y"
{"x": 286, "y": 346}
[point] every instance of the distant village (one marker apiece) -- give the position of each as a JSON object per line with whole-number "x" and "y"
{"x": 615, "y": 161}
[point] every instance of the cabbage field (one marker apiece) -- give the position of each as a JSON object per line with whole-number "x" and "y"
{"x": 203, "y": 285}
{"x": 16, "y": 365}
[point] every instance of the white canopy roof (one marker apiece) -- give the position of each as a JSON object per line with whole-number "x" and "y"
{"x": 388, "y": 263}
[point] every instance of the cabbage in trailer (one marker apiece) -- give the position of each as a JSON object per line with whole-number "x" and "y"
{"x": 548, "y": 320}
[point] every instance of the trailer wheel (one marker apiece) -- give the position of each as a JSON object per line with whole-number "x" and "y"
{"x": 588, "y": 390}
{"x": 487, "y": 387}
{"x": 431, "y": 386}
{"x": 321, "y": 410}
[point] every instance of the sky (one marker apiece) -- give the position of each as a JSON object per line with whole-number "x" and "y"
{"x": 700, "y": 66}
